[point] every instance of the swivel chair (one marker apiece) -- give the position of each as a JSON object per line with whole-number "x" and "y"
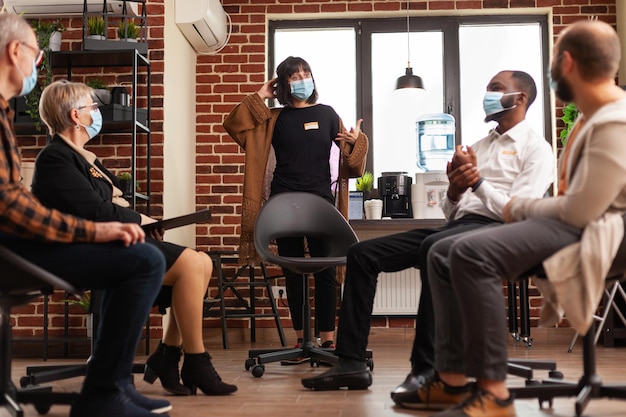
{"x": 21, "y": 282}
{"x": 590, "y": 384}
{"x": 299, "y": 215}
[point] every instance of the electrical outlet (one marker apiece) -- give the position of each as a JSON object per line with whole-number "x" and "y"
{"x": 279, "y": 292}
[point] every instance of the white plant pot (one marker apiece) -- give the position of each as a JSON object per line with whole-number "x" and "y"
{"x": 128, "y": 40}
{"x": 55, "y": 41}
{"x": 98, "y": 37}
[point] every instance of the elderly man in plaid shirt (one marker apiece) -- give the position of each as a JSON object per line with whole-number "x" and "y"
{"x": 105, "y": 256}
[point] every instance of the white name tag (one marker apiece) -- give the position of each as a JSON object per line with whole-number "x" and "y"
{"x": 311, "y": 126}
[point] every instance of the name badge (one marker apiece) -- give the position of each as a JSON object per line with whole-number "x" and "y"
{"x": 509, "y": 153}
{"x": 311, "y": 126}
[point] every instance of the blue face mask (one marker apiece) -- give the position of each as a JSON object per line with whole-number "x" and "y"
{"x": 302, "y": 89}
{"x": 28, "y": 81}
{"x": 492, "y": 102}
{"x": 96, "y": 123}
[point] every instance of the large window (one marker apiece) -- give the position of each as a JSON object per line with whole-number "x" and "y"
{"x": 356, "y": 63}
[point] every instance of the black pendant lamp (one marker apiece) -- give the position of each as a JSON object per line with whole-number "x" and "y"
{"x": 409, "y": 80}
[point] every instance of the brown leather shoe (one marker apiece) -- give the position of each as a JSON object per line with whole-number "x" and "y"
{"x": 435, "y": 395}
{"x": 481, "y": 404}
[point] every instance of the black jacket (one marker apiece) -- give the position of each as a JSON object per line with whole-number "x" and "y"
{"x": 65, "y": 180}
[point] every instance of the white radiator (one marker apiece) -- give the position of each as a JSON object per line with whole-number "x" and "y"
{"x": 398, "y": 293}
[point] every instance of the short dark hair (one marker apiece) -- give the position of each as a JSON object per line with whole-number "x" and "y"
{"x": 286, "y": 69}
{"x": 525, "y": 84}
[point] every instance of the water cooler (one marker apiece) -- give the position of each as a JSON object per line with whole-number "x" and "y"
{"x": 428, "y": 193}
{"x": 435, "y": 147}
{"x": 394, "y": 188}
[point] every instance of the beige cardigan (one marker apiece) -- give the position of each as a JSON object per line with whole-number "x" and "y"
{"x": 594, "y": 201}
{"x": 251, "y": 125}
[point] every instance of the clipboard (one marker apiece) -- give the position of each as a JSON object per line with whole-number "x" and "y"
{"x": 201, "y": 216}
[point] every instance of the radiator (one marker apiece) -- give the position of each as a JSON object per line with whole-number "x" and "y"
{"x": 398, "y": 293}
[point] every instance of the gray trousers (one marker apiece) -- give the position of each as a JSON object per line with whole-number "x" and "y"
{"x": 466, "y": 273}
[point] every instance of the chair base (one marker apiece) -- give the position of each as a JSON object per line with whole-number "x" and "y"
{"x": 586, "y": 389}
{"x": 257, "y": 358}
{"x": 41, "y": 397}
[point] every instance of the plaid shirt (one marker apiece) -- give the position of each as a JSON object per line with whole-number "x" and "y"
{"x": 21, "y": 214}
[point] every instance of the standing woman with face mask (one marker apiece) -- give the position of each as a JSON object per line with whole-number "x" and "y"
{"x": 288, "y": 149}
{"x": 70, "y": 178}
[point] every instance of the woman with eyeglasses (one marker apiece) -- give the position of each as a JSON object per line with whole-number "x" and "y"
{"x": 71, "y": 179}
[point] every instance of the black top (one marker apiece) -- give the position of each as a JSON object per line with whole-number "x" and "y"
{"x": 65, "y": 180}
{"x": 302, "y": 141}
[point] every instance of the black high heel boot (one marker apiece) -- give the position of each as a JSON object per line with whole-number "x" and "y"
{"x": 198, "y": 372}
{"x": 163, "y": 364}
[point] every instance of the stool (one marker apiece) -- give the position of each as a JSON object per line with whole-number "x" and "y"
{"x": 524, "y": 312}
{"x": 243, "y": 308}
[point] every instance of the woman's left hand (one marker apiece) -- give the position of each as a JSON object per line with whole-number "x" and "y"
{"x": 352, "y": 135}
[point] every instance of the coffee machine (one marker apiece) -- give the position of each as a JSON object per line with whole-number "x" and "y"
{"x": 394, "y": 188}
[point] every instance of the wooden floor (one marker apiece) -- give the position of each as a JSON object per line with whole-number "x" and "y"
{"x": 279, "y": 391}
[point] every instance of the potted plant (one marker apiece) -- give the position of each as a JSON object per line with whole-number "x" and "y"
{"x": 365, "y": 183}
{"x": 128, "y": 31}
{"x": 95, "y": 27}
{"x": 126, "y": 181}
{"x": 570, "y": 113}
{"x": 84, "y": 301}
{"x": 100, "y": 91}
{"x": 46, "y": 33}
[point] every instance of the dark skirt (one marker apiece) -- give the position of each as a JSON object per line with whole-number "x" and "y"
{"x": 171, "y": 251}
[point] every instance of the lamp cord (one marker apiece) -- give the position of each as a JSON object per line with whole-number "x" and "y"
{"x": 408, "y": 33}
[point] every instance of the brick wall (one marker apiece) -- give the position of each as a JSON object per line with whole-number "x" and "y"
{"x": 222, "y": 81}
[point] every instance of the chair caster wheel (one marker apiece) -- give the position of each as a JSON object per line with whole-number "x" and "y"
{"x": 24, "y": 381}
{"x": 42, "y": 408}
{"x": 249, "y": 363}
{"x": 314, "y": 363}
{"x": 370, "y": 364}
{"x": 258, "y": 371}
{"x": 555, "y": 374}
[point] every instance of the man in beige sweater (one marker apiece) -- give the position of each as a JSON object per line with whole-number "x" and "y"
{"x": 466, "y": 271}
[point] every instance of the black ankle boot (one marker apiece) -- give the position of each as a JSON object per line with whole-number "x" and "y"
{"x": 198, "y": 372}
{"x": 163, "y": 364}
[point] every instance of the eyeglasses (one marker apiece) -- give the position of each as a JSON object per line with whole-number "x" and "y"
{"x": 38, "y": 51}
{"x": 91, "y": 107}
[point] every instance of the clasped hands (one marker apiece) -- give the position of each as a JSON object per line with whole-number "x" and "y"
{"x": 462, "y": 172}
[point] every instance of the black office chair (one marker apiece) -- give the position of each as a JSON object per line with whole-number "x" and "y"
{"x": 590, "y": 384}
{"x": 20, "y": 282}
{"x": 299, "y": 215}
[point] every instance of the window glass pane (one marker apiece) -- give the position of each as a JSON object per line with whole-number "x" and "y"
{"x": 395, "y": 111}
{"x": 486, "y": 50}
{"x": 331, "y": 53}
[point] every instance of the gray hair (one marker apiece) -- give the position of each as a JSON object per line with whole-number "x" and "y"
{"x": 12, "y": 27}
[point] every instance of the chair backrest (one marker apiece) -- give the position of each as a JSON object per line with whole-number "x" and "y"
{"x": 298, "y": 215}
{"x": 19, "y": 276}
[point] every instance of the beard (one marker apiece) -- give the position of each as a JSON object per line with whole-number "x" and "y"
{"x": 561, "y": 86}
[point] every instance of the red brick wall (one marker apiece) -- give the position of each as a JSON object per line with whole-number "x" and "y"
{"x": 222, "y": 81}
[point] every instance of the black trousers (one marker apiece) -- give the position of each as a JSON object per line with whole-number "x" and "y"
{"x": 390, "y": 254}
{"x": 325, "y": 284}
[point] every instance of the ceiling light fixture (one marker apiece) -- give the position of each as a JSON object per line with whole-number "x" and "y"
{"x": 409, "y": 80}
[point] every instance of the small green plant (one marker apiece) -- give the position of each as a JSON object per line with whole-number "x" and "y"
{"x": 124, "y": 176}
{"x": 43, "y": 30}
{"x": 127, "y": 30}
{"x": 95, "y": 25}
{"x": 365, "y": 182}
{"x": 570, "y": 113}
{"x": 97, "y": 84}
{"x": 84, "y": 300}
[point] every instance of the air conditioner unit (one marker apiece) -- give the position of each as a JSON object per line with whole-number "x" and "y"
{"x": 66, "y": 8}
{"x": 204, "y": 23}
